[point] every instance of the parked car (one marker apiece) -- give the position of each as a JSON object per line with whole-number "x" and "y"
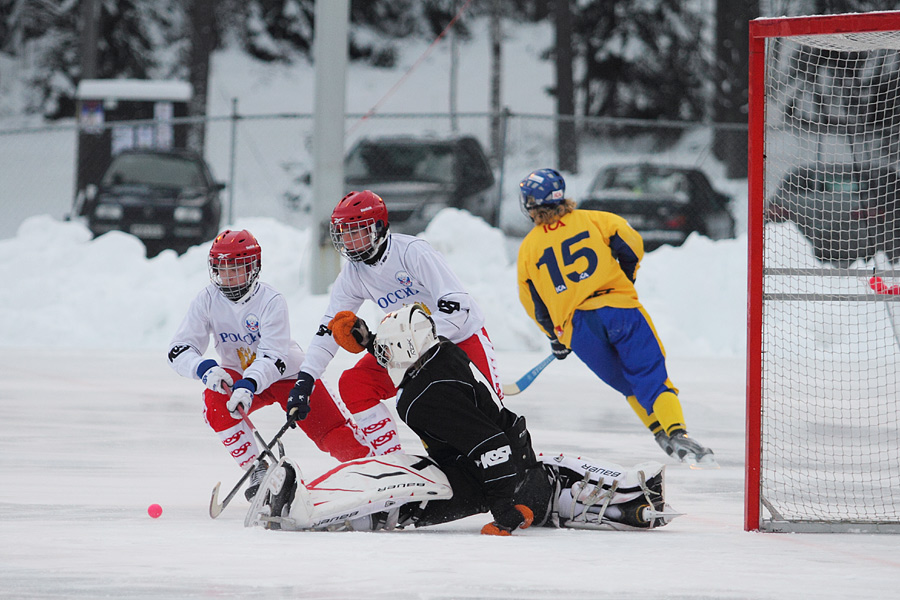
{"x": 846, "y": 211}
{"x": 416, "y": 176}
{"x": 663, "y": 203}
{"x": 167, "y": 198}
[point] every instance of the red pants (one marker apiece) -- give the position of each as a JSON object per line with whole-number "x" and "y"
{"x": 326, "y": 425}
{"x": 366, "y": 383}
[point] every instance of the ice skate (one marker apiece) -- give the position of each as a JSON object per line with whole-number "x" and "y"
{"x": 634, "y": 499}
{"x": 650, "y": 510}
{"x": 259, "y": 473}
{"x": 684, "y": 448}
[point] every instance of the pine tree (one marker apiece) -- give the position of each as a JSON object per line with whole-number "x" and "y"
{"x": 643, "y": 59}
{"x": 136, "y": 40}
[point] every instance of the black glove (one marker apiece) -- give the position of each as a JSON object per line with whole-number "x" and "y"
{"x": 559, "y": 350}
{"x": 298, "y": 399}
{"x": 507, "y": 518}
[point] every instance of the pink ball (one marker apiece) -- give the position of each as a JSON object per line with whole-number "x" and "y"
{"x": 154, "y": 510}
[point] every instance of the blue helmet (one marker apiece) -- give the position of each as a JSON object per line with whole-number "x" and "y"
{"x": 544, "y": 187}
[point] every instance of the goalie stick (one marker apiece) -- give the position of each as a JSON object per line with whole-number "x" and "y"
{"x": 215, "y": 507}
{"x": 511, "y": 389}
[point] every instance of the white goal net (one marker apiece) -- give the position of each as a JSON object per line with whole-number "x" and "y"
{"x": 823, "y": 342}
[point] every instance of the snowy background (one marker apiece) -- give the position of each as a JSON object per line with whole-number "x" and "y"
{"x": 95, "y": 426}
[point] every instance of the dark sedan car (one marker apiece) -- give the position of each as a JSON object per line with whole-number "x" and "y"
{"x": 168, "y": 199}
{"x": 417, "y": 177}
{"x": 664, "y": 204}
{"x": 844, "y": 210}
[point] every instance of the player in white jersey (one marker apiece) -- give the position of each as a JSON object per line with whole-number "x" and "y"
{"x": 391, "y": 270}
{"x": 258, "y": 360}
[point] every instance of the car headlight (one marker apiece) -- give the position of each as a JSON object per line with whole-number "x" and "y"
{"x": 108, "y": 211}
{"x": 188, "y": 214}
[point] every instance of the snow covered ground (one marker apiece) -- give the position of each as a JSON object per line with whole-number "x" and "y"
{"x": 90, "y": 438}
{"x": 95, "y": 427}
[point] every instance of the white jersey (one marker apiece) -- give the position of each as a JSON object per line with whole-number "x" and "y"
{"x": 252, "y": 336}
{"x": 410, "y": 270}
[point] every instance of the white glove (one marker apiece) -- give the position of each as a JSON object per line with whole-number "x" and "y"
{"x": 241, "y": 395}
{"x": 216, "y": 379}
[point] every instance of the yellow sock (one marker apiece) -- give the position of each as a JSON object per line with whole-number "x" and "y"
{"x": 650, "y": 421}
{"x": 667, "y": 408}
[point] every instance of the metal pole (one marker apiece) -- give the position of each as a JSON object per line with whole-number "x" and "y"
{"x": 496, "y": 83}
{"x": 454, "y": 67}
{"x": 330, "y": 53}
{"x": 500, "y": 157}
{"x": 232, "y": 160}
{"x": 90, "y": 17}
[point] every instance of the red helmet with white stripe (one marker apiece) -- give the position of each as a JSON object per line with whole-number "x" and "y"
{"x": 359, "y": 225}
{"x": 235, "y": 259}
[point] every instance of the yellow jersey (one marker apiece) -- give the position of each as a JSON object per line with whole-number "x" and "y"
{"x": 586, "y": 260}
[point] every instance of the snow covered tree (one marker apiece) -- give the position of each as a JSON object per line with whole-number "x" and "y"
{"x": 136, "y": 39}
{"x": 642, "y": 58}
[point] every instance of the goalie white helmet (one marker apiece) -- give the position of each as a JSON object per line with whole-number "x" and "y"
{"x": 403, "y": 337}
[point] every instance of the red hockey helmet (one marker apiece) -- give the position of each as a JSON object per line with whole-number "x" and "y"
{"x": 359, "y": 225}
{"x": 235, "y": 259}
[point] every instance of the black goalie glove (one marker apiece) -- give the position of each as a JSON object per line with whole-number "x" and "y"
{"x": 298, "y": 399}
{"x": 508, "y": 518}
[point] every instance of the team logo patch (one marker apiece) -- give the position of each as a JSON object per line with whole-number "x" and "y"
{"x": 404, "y": 278}
{"x": 495, "y": 457}
{"x": 251, "y": 323}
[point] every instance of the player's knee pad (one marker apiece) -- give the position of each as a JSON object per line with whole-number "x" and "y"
{"x": 361, "y": 388}
{"x": 215, "y": 413}
{"x": 343, "y": 444}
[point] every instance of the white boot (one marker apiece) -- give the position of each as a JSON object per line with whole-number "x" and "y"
{"x": 378, "y": 426}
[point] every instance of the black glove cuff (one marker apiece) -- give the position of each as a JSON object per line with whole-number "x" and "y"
{"x": 304, "y": 384}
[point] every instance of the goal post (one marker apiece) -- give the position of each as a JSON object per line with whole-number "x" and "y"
{"x": 823, "y": 345}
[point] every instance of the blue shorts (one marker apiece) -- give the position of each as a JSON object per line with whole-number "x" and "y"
{"x": 621, "y": 347}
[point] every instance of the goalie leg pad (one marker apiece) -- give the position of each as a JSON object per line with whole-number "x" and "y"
{"x": 346, "y": 497}
{"x": 372, "y": 485}
{"x": 608, "y": 496}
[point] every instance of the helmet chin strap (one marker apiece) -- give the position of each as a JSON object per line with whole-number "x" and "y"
{"x": 380, "y": 250}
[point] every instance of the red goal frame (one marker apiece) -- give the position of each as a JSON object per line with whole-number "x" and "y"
{"x": 760, "y": 31}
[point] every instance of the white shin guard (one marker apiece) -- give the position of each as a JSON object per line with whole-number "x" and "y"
{"x": 239, "y": 441}
{"x": 378, "y": 426}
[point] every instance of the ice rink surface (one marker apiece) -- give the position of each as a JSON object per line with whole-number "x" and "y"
{"x": 89, "y": 439}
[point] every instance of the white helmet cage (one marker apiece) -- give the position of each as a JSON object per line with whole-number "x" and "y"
{"x": 357, "y": 240}
{"x": 403, "y": 336}
{"x": 234, "y": 276}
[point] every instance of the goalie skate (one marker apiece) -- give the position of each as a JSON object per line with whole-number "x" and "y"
{"x": 610, "y": 497}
